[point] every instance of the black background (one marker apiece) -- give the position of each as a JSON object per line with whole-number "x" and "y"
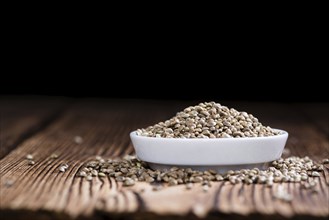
{"x": 257, "y": 64}
{"x": 194, "y": 78}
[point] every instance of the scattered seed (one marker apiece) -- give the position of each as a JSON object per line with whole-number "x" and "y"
{"x": 29, "y": 157}
{"x": 149, "y": 179}
{"x": 197, "y": 179}
{"x": 62, "y": 169}
{"x": 219, "y": 177}
{"x": 94, "y": 173}
{"x": 205, "y": 188}
{"x": 325, "y": 161}
{"x": 282, "y": 194}
{"x": 31, "y": 162}
{"x": 9, "y": 183}
{"x": 200, "y": 210}
{"x": 315, "y": 174}
{"x": 65, "y": 166}
{"x": 82, "y": 173}
{"x": 101, "y": 174}
{"x": 189, "y": 185}
{"x": 232, "y": 179}
{"x": 131, "y": 170}
{"x": 172, "y": 182}
{"x": 157, "y": 187}
{"x": 128, "y": 182}
{"x": 78, "y": 140}
{"x": 53, "y": 156}
{"x": 120, "y": 178}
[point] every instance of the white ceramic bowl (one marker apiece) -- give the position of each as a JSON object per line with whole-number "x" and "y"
{"x": 220, "y": 154}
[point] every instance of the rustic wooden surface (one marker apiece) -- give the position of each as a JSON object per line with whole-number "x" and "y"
{"x": 41, "y": 127}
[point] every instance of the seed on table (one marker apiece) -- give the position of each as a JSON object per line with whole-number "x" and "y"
{"x": 292, "y": 169}
{"x": 315, "y": 174}
{"x": 325, "y": 161}
{"x": 29, "y": 157}
{"x": 172, "y": 182}
{"x": 313, "y": 183}
{"x": 189, "y": 185}
{"x": 82, "y": 174}
{"x": 248, "y": 181}
{"x": 213, "y": 172}
{"x": 304, "y": 177}
{"x": 205, "y": 177}
{"x": 197, "y": 179}
{"x": 149, "y": 179}
{"x": 62, "y": 169}
{"x": 165, "y": 179}
{"x": 101, "y": 174}
{"x": 117, "y": 174}
{"x": 31, "y": 162}
{"x": 219, "y": 177}
{"x": 128, "y": 182}
{"x": 205, "y": 188}
{"x": 157, "y": 187}
{"x": 206, "y": 182}
{"x": 174, "y": 169}
{"x": 297, "y": 179}
{"x": 269, "y": 183}
{"x": 285, "y": 179}
{"x": 120, "y": 178}
{"x": 94, "y": 173}
{"x": 232, "y": 179}
{"x": 53, "y": 156}
{"x": 124, "y": 170}
{"x": 65, "y": 165}
{"x": 320, "y": 168}
{"x": 78, "y": 140}
{"x": 9, "y": 183}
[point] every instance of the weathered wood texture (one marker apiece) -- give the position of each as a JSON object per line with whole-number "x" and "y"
{"x": 42, "y": 191}
{"x": 21, "y": 118}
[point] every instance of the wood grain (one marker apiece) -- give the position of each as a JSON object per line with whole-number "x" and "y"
{"x": 104, "y": 126}
{"x": 21, "y": 118}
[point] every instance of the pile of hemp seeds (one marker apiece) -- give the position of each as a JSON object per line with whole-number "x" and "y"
{"x": 207, "y": 120}
{"x": 130, "y": 170}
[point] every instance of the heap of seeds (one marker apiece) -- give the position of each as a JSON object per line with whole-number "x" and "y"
{"x": 209, "y": 120}
{"x": 130, "y": 170}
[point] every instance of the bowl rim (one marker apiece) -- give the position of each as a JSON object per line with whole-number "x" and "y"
{"x": 282, "y": 133}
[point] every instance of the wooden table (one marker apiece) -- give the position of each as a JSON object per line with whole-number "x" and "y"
{"x": 42, "y": 126}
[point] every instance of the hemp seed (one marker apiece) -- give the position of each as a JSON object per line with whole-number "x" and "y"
{"x": 131, "y": 170}
{"x": 29, "y": 157}
{"x": 208, "y": 120}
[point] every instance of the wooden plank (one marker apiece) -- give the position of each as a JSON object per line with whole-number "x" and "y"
{"x": 104, "y": 127}
{"x": 21, "y": 117}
